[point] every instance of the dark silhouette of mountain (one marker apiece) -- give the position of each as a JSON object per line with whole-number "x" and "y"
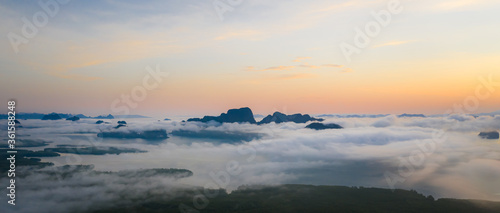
{"x": 145, "y": 173}
{"x": 105, "y": 117}
{"x": 26, "y": 158}
{"x": 92, "y": 150}
{"x": 321, "y": 126}
{"x": 492, "y": 114}
{"x": 167, "y": 119}
{"x": 52, "y": 116}
{"x": 308, "y": 198}
{"x": 22, "y": 115}
{"x": 31, "y": 143}
{"x": 120, "y": 125}
{"x": 17, "y": 123}
{"x": 99, "y": 122}
{"x": 148, "y": 134}
{"x": 241, "y": 115}
{"x": 411, "y": 115}
{"x": 489, "y": 135}
{"x": 279, "y": 117}
{"x": 25, "y": 116}
{"x": 74, "y": 118}
{"x": 64, "y": 116}
{"x": 82, "y": 116}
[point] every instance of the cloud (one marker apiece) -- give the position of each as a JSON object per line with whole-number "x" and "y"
{"x": 347, "y": 70}
{"x": 295, "y": 76}
{"x": 277, "y": 68}
{"x": 393, "y": 43}
{"x": 250, "y": 68}
{"x": 462, "y": 166}
{"x": 80, "y": 189}
{"x": 385, "y": 122}
{"x": 333, "y": 65}
{"x": 306, "y": 65}
{"x": 299, "y": 59}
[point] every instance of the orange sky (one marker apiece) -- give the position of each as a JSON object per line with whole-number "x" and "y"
{"x": 266, "y": 55}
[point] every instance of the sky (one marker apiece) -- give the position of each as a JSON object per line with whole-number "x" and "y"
{"x": 188, "y": 57}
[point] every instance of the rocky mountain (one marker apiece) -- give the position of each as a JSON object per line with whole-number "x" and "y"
{"x": 489, "y": 135}
{"x": 242, "y": 115}
{"x": 279, "y": 117}
{"x": 22, "y": 115}
{"x": 321, "y": 126}
{"x": 52, "y": 116}
{"x": 82, "y": 116}
{"x": 105, "y": 117}
{"x": 74, "y": 118}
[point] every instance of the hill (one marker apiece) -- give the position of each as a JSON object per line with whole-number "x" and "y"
{"x": 307, "y": 198}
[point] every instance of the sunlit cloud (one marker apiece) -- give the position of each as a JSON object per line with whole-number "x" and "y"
{"x": 281, "y": 77}
{"x": 285, "y": 77}
{"x": 346, "y": 70}
{"x": 276, "y": 68}
{"x": 306, "y": 65}
{"x": 299, "y": 59}
{"x": 294, "y": 76}
{"x": 333, "y": 65}
{"x": 250, "y": 68}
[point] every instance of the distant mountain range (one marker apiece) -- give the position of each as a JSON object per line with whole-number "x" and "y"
{"x": 279, "y": 117}
{"x": 241, "y": 115}
{"x": 57, "y": 116}
{"x": 401, "y": 115}
{"x": 488, "y": 114}
{"x": 276, "y": 117}
{"x": 245, "y": 115}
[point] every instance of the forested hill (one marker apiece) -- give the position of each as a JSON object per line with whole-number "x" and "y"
{"x": 307, "y": 198}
